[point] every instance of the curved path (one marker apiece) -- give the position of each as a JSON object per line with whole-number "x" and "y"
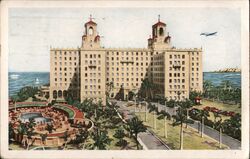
{"x": 77, "y": 113}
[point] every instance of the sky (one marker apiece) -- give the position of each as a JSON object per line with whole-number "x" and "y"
{"x": 32, "y": 31}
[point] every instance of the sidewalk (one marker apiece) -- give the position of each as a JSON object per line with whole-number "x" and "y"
{"x": 214, "y": 134}
{"x": 148, "y": 139}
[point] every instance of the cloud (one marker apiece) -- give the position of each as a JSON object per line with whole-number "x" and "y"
{"x": 32, "y": 31}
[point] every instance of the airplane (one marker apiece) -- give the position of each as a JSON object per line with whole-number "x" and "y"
{"x": 209, "y": 34}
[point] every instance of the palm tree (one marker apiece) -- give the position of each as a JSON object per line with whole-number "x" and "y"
{"x": 101, "y": 139}
{"x": 65, "y": 138}
{"x": 154, "y": 109}
{"x": 135, "y": 126}
{"x": 120, "y": 134}
{"x": 180, "y": 119}
{"x": 220, "y": 125}
{"x": 81, "y": 138}
{"x": 207, "y": 85}
{"x": 216, "y": 115}
{"x": 147, "y": 87}
{"x": 11, "y": 131}
{"x": 44, "y": 138}
{"x": 109, "y": 88}
{"x": 15, "y": 98}
{"x": 202, "y": 114}
{"x": 164, "y": 115}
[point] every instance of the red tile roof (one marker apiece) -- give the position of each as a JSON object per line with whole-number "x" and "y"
{"x": 159, "y": 23}
{"x": 90, "y": 22}
{"x": 97, "y": 38}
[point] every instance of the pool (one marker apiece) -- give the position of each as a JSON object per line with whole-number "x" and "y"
{"x": 39, "y": 119}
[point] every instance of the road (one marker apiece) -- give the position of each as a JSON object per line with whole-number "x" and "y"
{"x": 226, "y": 140}
{"x": 147, "y": 139}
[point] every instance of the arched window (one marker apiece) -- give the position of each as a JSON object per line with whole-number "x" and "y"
{"x": 161, "y": 32}
{"x": 91, "y": 31}
{"x": 65, "y": 94}
{"x": 60, "y": 94}
{"x": 54, "y": 94}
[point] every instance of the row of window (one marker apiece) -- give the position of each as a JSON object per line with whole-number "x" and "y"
{"x": 131, "y": 58}
{"x": 130, "y": 53}
{"x": 92, "y": 87}
{"x": 65, "y": 58}
{"x": 92, "y": 55}
{"x": 176, "y": 86}
{"x": 92, "y": 62}
{"x": 65, "y": 69}
{"x": 93, "y": 92}
{"x": 176, "y": 56}
{"x": 127, "y": 79}
{"x": 127, "y": 74}
{"x": 67, "y": 52}
{"x": 66, "y": 79}
{"x": 122, "y": 69}
{"x": 65, "y": 63}
{"x": 66, "y": 84}
{"x": 92, "y": 81}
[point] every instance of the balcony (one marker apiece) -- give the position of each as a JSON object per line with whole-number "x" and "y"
{"x": 92, "y": 66}
{"x": 176, "y": 65}
{"x": 127, "y": 62}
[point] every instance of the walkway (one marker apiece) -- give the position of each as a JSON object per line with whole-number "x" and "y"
{"x": 148, "y": 139}
{"x": 214, "y": 134}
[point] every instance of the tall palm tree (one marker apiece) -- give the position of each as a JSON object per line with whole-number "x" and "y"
{"x": 164, "y": 115}
{"x": 65, "y": 138}
{"x": 101, "y": 139}
{"x": 180, "y": 119}
{"x": 109, "y": 88}
{"x": 135, "y": 126}
{"x": 216, "y": 115}
{"x": 15, "y": 98}
{"x": 147, "y": 87}
{"x": 220, "y": 125}
{"x": 154, "y": 109}
{"x": 207, "y": 85}
{"x": 120, "y": 134}
{"x": 202, "y": 115}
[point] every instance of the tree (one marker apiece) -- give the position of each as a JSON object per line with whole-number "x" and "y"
{"x": 44, "y": 138}
{"x": 220, "y": 126}
{"x": 201, "y": 115}
{"x": 50, "y": 128}
{"x": 15, "y": 98}
{"x": 147, "y": 88}
{"x": 81, "y": 138}
{"x": 109, "y": 88}
{"x": 101, "y": 139}
{"x": 216, "y": 115}
{"x": 180, "y": 119}
{"x": 11, "y": 131}
{"x": 207, "y": 85}
{"x": 154, "y": 109}
{"x": 164, "y": 115}
{"x": 135, "y": 126}
{"x": 65, "y": 138}
{"x": 120, "y": 134}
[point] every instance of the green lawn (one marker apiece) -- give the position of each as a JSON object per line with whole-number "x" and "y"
{"x": 221, "y": 106}
{"x": 192, "y": 140}
{"x": 112, "y": 146}
{"x": 66, "y": 109}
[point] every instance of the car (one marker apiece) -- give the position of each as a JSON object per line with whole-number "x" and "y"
{"x": 207, "y": 108}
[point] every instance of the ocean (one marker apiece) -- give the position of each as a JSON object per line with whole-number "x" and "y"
{"x": 17, "y": 80}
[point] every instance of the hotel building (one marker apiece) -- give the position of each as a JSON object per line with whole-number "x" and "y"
{"x": 84, "y": 72}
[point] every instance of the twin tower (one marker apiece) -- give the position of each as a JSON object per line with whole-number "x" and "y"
{"x": 160, "y": 38}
